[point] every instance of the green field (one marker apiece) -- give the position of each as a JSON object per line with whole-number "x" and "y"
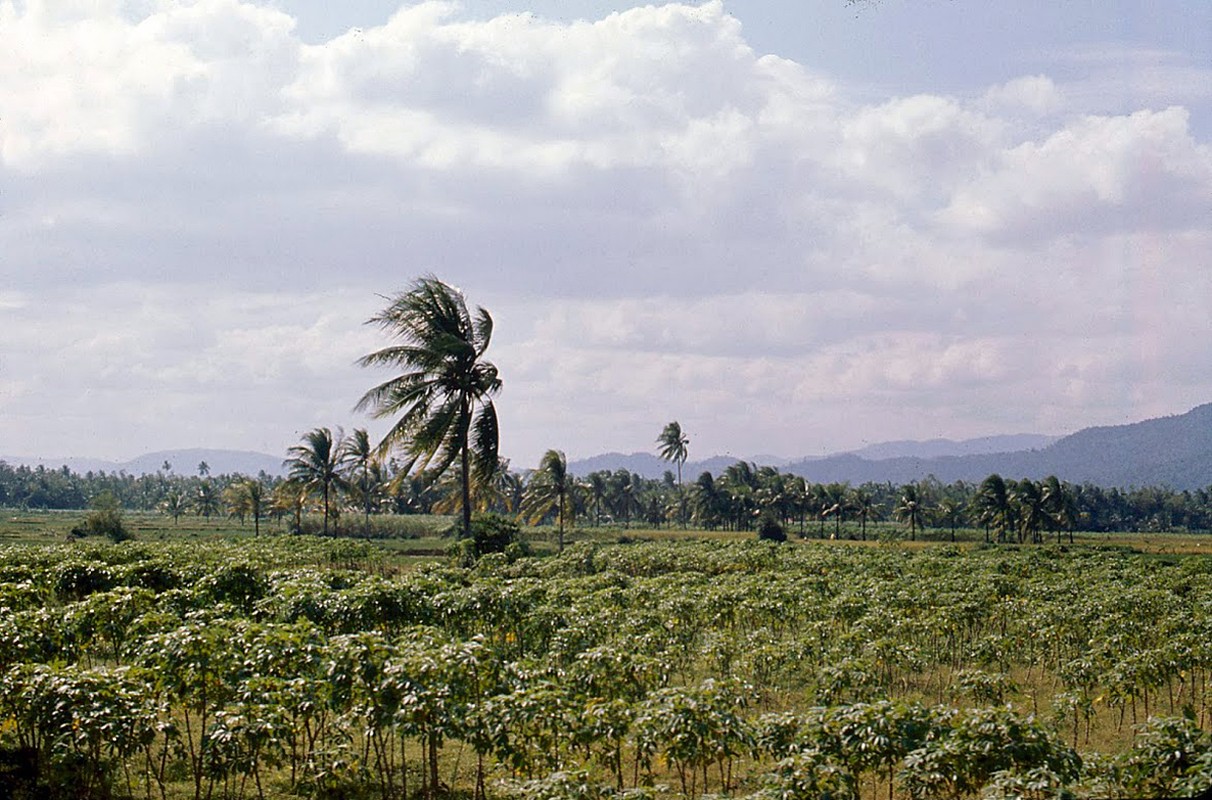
{"x": 201, "y": 661}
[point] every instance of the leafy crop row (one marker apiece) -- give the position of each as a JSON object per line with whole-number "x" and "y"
{"x": 742, "y": 669}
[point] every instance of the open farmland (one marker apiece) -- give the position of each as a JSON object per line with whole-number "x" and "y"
{"x": 293, "y": 666}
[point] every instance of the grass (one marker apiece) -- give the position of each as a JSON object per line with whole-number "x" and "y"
{"x": 416, "y": 538}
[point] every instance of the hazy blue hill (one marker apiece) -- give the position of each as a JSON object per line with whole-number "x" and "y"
{"x": 647, "y": 465}
{"x": 184, "y": 462}
{"x": 79, "y": 465}
{"x": 937, "y": 448}
{"x": 1170, "y": 451}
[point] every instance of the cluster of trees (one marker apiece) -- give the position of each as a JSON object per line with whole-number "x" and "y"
{"x": 445, "y": 435}
{"x": 63, "y": 489}
{"x": 345, "y": 474}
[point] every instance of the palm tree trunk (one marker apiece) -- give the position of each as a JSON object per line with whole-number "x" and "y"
{"x": 466, "y": 477}
{"x": 560, "y": 540}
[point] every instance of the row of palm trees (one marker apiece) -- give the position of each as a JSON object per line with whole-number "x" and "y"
{"x": 445, "y": 428}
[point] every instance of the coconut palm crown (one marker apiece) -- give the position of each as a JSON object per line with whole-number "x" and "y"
{"x": 443, "y": 395}
{"x": 674, "y": 446}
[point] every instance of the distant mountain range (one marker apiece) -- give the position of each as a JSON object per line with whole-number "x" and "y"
{"x": 1175, "y": 452}
{"x": 938, "y": 448}
{"x": 649, "y": 465}
{"x": 1169, "y": 451}
{"x": 182, "y": 462}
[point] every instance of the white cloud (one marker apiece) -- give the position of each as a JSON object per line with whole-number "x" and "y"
{"x": 1097, "y": 174}
{"x": 1036, "y": 94}
{"x": 198, "y": 209}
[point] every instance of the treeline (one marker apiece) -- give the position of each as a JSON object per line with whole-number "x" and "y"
{"x": 738, "y": 499}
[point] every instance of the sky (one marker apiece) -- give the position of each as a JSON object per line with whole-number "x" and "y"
{"x": 794, "y": 226}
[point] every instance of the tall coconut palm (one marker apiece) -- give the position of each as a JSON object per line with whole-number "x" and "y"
{"x": 909, "y": 509}
{"x": 205, "y": 501}
{"x": 1060, "y": 505}
{"x": 950, "y": 512}
{"x": 550, "y": 489}
{"x": 443, "y": 397}
{"x": 1028, "y": 499}
{"x": 624, "y": 499}
{"x": 864, "y": 507}
{"x": 246, "y": 498}
{"x": 991, "y": 503}
{"x": 597, "y": 489}
{"x": 674, "y": 446}
{"x": 315, "y": 466}
{"x": 174, "y": 504}
{"x": 362, "y": 469}
{"x": 289, "y": 497}
{"x": 707, "y": 501}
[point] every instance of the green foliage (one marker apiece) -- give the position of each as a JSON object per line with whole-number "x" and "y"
{"x": 770, "y": 530}
{"x": 105, "y": 519}
{"x": 443, "y": 397}
{"x": 303, "y": 667}
{"x": 1170, "y": 757}
{"x": 492, "y": 533}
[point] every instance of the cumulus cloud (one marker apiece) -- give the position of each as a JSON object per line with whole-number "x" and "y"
{"x": 199, "y": 208}
{"x": 1097, "y": 175}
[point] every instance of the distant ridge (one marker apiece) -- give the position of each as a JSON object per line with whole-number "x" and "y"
{"x": 184, "y": 462}
{"x": 937, "y": 448}
{"x": 647, "y": 465}
{"x": 1174, "y": 452}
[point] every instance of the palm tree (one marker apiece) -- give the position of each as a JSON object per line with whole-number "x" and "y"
{"x": 909, "y": 510}
{"x": 357, "y": 458}
{"x": 174, "y": 504}
{"x": 950, "y": 513}
{"x": 314, "y": 465}
{"x": 624, "y": 501}
{"x": 838, "y": 499}
{"x": 550, "y": 489}
{"x": 289, "y": 497}
{"x": 992, "y": 505}
{"x": 1060, "y": 505}
{"x": 255, "y": 492}
{"x": 205, "y": 502}
{"x": 1028, "y": 497}
{"x": 597, "y": 489}
{"x": 246, "y": 498}
{"x": 443, "y": 397}
{"x": 864, "y": 508}
{"x": 674, "y": 443}
{"x": 707, "y": 501}
{"x": 739, "y": 483}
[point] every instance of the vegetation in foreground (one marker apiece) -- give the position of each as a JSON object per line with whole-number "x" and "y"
{"x": 308, "y": 667}
{"x": 316, "y": 667}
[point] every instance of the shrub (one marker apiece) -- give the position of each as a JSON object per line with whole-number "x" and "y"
{"x": 770, "y": 530}
{"x": 104, "y": 520}
{"x": 492, "y": 533}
